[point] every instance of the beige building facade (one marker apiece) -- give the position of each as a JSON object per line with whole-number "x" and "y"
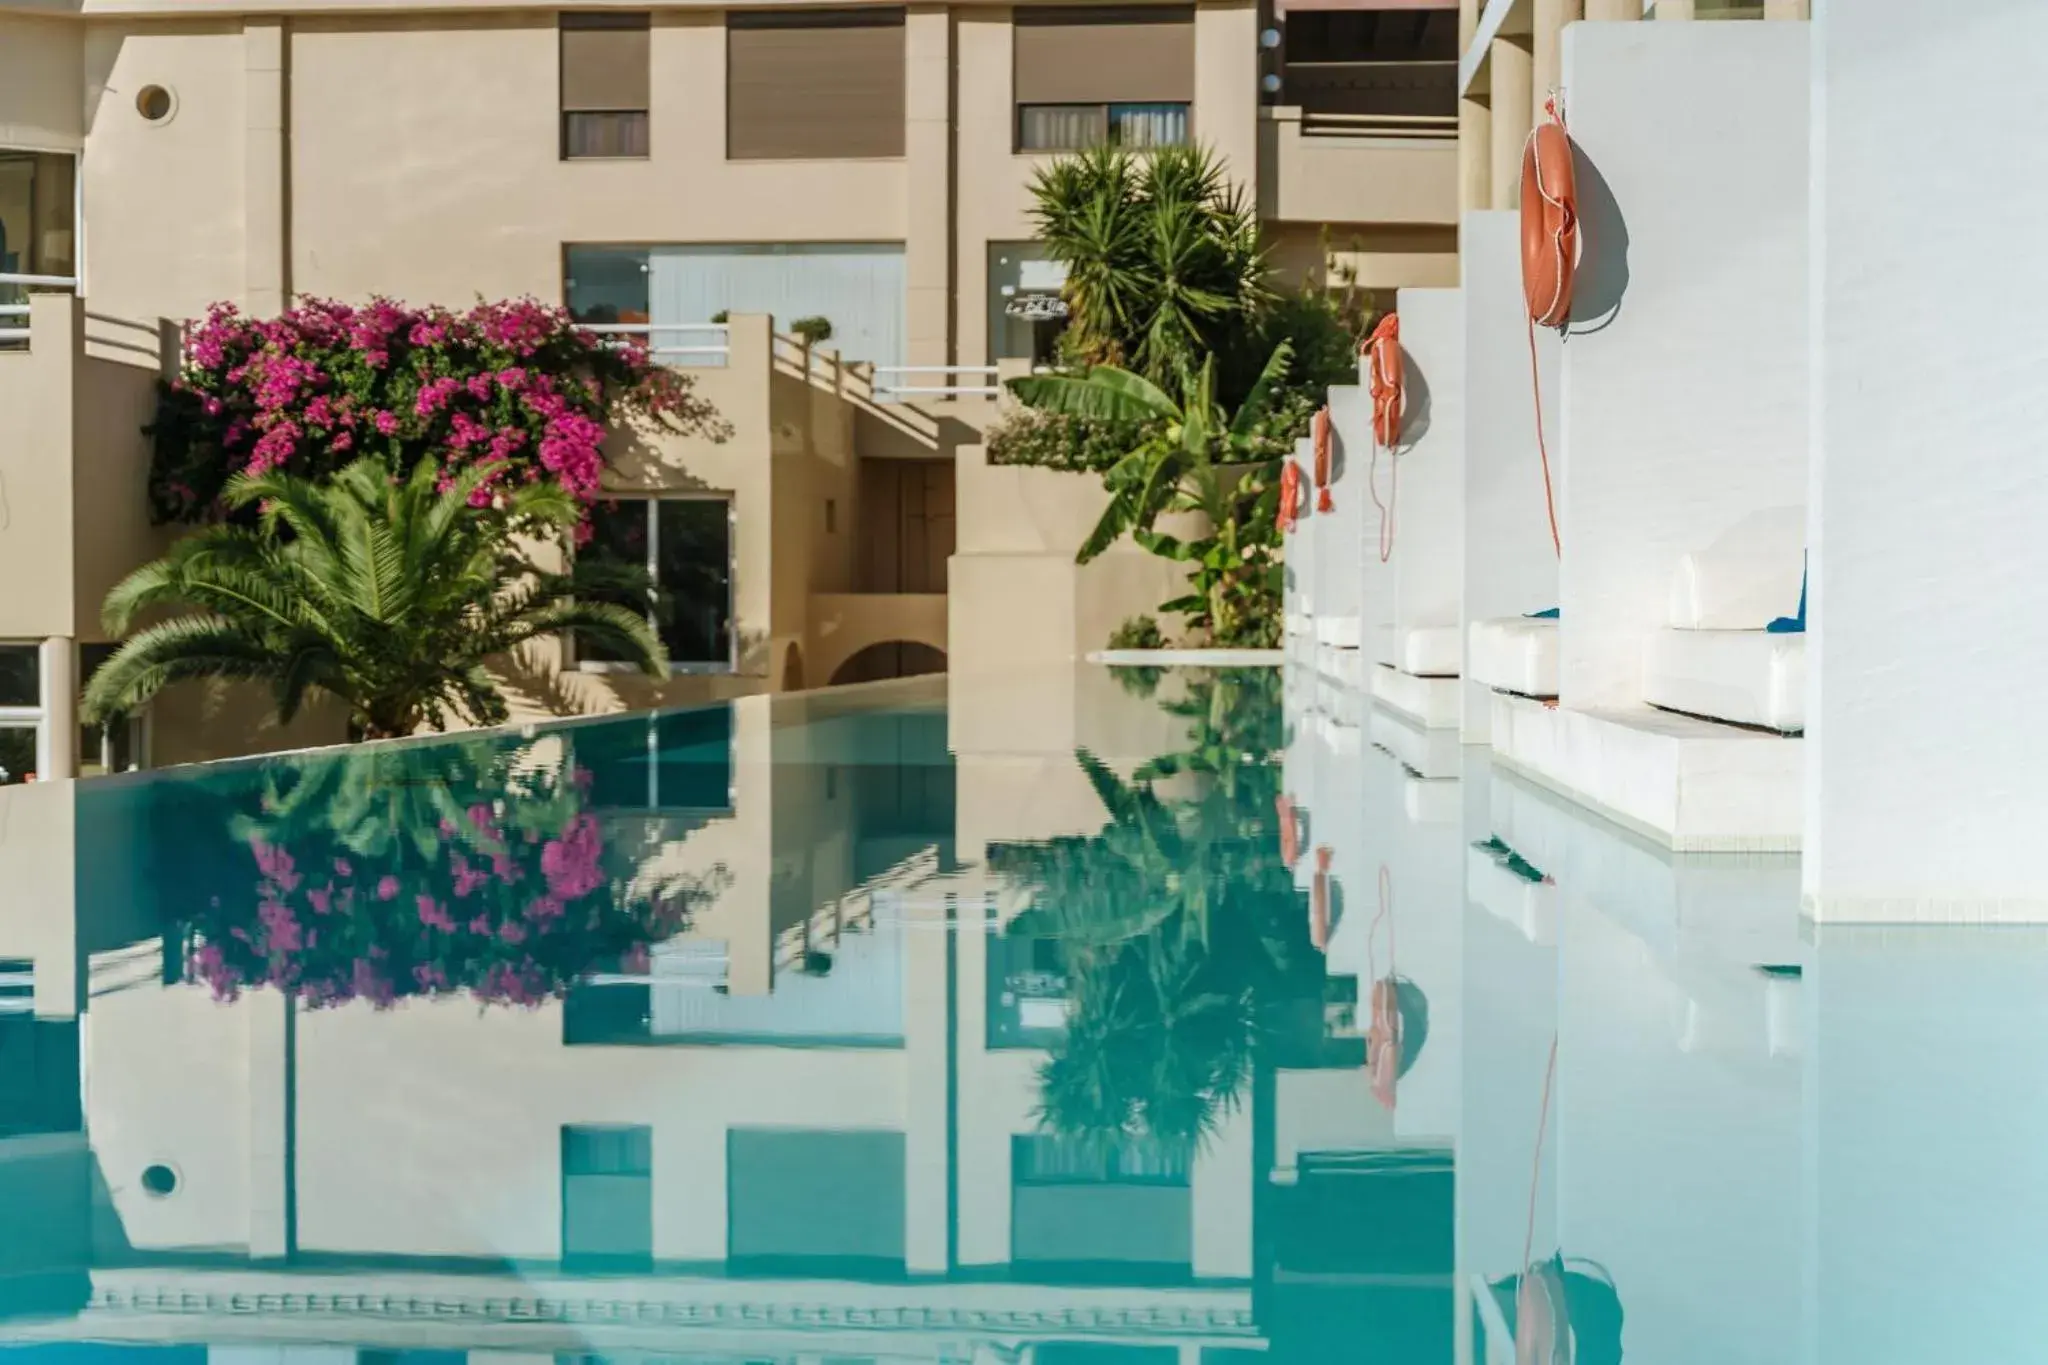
{"x": 708, "y": 177}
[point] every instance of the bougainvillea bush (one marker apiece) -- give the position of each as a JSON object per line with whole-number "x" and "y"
{"x": 385, "y": 874}
{"x": 517, "y": 387}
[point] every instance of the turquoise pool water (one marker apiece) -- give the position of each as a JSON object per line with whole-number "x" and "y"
{"x": 1099, "y": 1017}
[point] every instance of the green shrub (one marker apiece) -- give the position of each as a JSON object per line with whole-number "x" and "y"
{"x": 1137, "y": 632}
{"x": 812, "y": 331}
{"x": 1051, "y": 440}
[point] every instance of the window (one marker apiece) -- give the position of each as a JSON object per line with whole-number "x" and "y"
{"x": 604, "y": 85}
{"x": 1089, "y": 76}
{"x": 116, "y": 748}
{"x": 38, "y": 202}
{"x": 1072, "y": 127}
{"x": 21, "y": 713}
{"x": 686, "y": 291}
{"x": 1079, "y": 1203}
{"x": 607, "y": 1197}
{"x": 685, "y": 544}
{"x": 1026, "y": 312}
{"x": 605, "y": 284}
{"x": 813, "y": 83}
{"x": 819, "y": 1201}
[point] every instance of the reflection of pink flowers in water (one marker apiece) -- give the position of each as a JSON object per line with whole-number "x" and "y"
{"x": 509, "y": 902}
{"x": 570, "y": 863}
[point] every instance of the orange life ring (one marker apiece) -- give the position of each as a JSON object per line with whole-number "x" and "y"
{"x": 1550, "y": 223}
{"x": 1319, "y": 901}
{"x": 1321, "y": 428}
{"x": 1290, "y": 830}
{"x": 1289, "y": 510}
{"x": 1383, "y": 357}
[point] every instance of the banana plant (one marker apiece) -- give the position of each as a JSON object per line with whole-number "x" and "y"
{"x": 1191, "y": 457}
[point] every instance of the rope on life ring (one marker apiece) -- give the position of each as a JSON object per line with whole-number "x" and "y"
{"x": 1324, "y": 457}
{"x": 1386, "y": 383}
{"x": 1550, "y": 256}
{"x": 1290, "y": 830}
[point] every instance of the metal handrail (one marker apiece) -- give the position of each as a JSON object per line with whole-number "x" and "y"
{"x": 21, "y": 310}
{"x": 722, "y": 349}
{"x": 886, "y": 392}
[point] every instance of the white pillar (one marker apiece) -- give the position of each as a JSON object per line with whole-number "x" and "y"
{"x": 1926, "y": 753}
{"x": 266, "y": 257}
{"x": 59, "y": 756}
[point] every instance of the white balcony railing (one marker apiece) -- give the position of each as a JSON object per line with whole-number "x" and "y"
{"x": 13, "y": 305}
{"x": 956, "y": 381}
{"x": 675, "y": 343}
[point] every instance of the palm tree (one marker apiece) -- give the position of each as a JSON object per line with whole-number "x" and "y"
{"x": 391, "y": 594}
{"x": 1190, "y": 457}
{"x": 1162, "y": 254}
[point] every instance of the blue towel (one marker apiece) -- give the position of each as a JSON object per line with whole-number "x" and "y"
{"x": 1792, "y": 625}
{"x": 1547, "y": 614}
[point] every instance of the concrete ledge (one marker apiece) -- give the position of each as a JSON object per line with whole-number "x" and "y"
{"x": 1189, "y": 658}
{"x": 1688, "y": 784}
{"x": 1429, "y": 753}
{"x": 1431, "y": 702}
{"x": 1345, "y": 667}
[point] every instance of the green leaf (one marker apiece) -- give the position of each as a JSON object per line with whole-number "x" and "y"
{"x": 1105, "y": 394}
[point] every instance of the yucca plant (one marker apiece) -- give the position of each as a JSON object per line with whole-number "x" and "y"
{"x": 395, "y": 595}
{"x": 1191, "y": 457}
{"x": 1162, "y": 254}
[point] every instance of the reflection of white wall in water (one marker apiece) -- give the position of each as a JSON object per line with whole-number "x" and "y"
{"x": 167, "y": 1081}
{"x": 1666, "y": 1084}
{"x": 1326, "y": 1111}
{"x": 1406, "y": 923}
{"x": 861, "y": 995}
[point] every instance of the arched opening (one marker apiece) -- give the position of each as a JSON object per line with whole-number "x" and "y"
{"x": 891, "y": 659}
{"x": 793, "y": 669}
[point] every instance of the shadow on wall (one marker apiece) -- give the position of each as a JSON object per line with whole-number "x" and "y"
{"x": 890, "y": 659}
{"x": 1415, "y": 402}
{"x": 1602, "y": 277}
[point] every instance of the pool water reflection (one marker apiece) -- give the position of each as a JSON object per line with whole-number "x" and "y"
{"x": 1102, "y": 1016}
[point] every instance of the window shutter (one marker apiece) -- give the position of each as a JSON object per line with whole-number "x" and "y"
{"x": 1105, "y": 56}
{"x": 604, "y": 62}
{"x": 815, "y": 83}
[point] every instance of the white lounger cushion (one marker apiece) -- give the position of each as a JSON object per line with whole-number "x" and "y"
{"x": 1424, "y": 651}
{"x": 1747, "y": 677}
{"x": 1338, "y": 632}
{"x": 1515, "y": 654}
{"x": 1746, "y": 579}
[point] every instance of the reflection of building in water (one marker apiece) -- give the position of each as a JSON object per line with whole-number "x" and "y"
{"x": 751, "y": 1145}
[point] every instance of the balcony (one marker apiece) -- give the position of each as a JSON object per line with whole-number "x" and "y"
{"x": 1341, "y": 167}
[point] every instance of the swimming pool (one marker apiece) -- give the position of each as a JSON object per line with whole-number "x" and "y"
{"x": 1100, "y": 1016}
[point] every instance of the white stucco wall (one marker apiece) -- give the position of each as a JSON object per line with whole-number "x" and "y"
{"x": 1351, "y": 417}
{"x": 1341, "y": 532}
{"x": 1510, "y": 565}
{"x": 1925, "y": 793}
{"x": 1429, "y": 529}
{"x": 1683, "y": 393}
